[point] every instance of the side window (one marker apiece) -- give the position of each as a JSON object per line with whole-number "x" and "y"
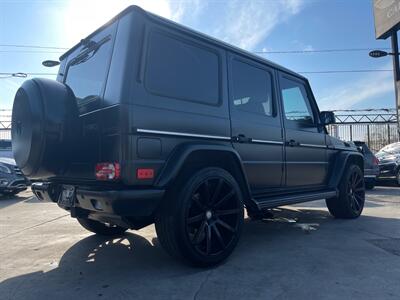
{"x": 295, "y": 102}
{"x": 181, "y": 70}
{"x": 252, "y": 89}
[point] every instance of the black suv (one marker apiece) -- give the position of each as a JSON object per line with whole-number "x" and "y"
{"x": 151, "y": 122}
{"x": 12, "y": 181}
{"x": 371, "y": 165}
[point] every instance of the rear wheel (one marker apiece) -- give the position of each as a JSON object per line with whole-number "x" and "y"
{"x": 350, "y": 201}
{"x": 101, "y": 228}
{"x": 202, "y": 222}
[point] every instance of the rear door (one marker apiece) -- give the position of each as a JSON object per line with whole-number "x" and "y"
{"x": 255, "y": 122}
{"x": 305, "y": 139}
{"x": 86, "y": 74}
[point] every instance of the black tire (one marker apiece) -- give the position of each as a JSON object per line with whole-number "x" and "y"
{"x": 201, "y": 223}
{"x": 398, "y": 177}
{"x": 369, "y": 185}
{"x": 101, "y": 228}
{"x": 350, "y": 201}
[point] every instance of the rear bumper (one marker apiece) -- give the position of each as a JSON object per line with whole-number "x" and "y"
{"x": 137, "y": 203}
{"x": 124, "y": 203}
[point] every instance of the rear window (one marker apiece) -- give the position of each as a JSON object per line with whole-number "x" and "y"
{"x": 87, "y": 71}
{"x": 181, "y": 70}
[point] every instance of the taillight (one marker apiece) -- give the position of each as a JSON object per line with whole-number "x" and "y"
{"x": 108, "y": 171}
{"x": 375, "y": 161}
{"x": 145, "y": 173}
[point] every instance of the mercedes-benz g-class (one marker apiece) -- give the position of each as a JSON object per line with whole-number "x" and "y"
{"x": 152, "y": 122}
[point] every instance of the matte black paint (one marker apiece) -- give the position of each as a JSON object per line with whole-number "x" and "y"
{"x": 272, "y": 159}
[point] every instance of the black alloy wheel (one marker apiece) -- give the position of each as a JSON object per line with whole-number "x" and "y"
{"x": 201, "y": 220}
{"x": 213, "y": 217}
{"x": 349, "y": 203}
{"x": 356, "y": 192}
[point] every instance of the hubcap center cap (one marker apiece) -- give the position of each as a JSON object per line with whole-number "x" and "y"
{"x": 209, "y": 214}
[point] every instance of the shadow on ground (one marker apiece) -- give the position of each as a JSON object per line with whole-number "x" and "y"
{"x": 298, "y": 252}
{"x": 7, "y": 200}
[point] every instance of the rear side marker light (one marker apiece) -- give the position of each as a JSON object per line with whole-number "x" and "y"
{"x": 145, "y": 173}
{"x": 108, "y": 171}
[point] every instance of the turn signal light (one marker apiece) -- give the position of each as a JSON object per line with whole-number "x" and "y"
{"x": 145, "y": 173}
{"x": 376, "y": 161}
{"x": 108, "y": 171}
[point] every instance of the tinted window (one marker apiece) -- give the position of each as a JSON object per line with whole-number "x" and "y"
{"x": 86, "y": 74}
{"x": 177, "y": 69}
{"x": 252, "y": 90}
{"x": 295, "y": 102}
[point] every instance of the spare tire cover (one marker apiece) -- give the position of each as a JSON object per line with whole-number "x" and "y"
{"x": 45, "y": 121}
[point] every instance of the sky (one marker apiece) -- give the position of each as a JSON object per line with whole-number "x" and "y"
{"x": 254, "y": 25}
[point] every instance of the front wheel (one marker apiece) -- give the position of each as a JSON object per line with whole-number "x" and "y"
{"x": 202, "y": 222}
{"x": 101, "y": 228}
{"x": 350, "y": 201}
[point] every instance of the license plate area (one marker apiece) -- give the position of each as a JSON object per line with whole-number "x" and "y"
{"x": 67, "y": 196}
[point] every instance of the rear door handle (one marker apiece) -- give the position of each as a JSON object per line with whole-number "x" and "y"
{"x": 292, "y": 143}
{"x": 241, "y": 138}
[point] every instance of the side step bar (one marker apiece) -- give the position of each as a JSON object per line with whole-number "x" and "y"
{"x": 276, "y": 201}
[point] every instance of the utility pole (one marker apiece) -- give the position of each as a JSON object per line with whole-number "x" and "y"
{"x": 387, "y": 23}
{"x": 396, "y": 76}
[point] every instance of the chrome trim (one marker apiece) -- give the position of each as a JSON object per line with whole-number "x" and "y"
{"x": 370, "y": 176}
{"x": 266, "y": 142}
{"x": 96, "y": 110}
{"x": 185, "y": 134}
{"x": 313, "y": 146}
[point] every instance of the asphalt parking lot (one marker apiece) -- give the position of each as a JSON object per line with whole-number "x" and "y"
{"x": 302, "y": 253}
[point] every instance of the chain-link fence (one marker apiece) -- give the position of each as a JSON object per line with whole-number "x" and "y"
{"x": 5, "y": 124}
{"x": 376, "y": 128}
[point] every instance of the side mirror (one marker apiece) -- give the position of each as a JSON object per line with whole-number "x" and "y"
{"x": 327, "y": 117}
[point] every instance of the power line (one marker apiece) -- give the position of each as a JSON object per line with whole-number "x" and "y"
{"x": 343, "y": 71}
{"x": 33, "y": 46}
{"x": 256, "y": 52}
{"x": 319, "y": 51}
{"x": 30, "y": 51}
{"x": 29, "y": 74}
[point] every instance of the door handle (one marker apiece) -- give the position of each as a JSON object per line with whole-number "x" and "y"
{"x": 292, "y": 143}
{"x": 241, "y": 138}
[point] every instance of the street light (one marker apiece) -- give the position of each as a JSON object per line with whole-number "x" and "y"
{"x": 9, "y": 75}
{"x": 380, "y": 53}
{"x": 50, "y": 63}
{"x": 19, "y": 74}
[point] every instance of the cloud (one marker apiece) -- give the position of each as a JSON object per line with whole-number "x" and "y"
{"x": 355, "y": 93}
{"x": 242, "y": 23}
{"x": 186, "y": 11}
{"x": 83, "y": 17}
{"x": 247, "y": 24}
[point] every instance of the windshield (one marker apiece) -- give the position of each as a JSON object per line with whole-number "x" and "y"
{"x": 87, "y": 70}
